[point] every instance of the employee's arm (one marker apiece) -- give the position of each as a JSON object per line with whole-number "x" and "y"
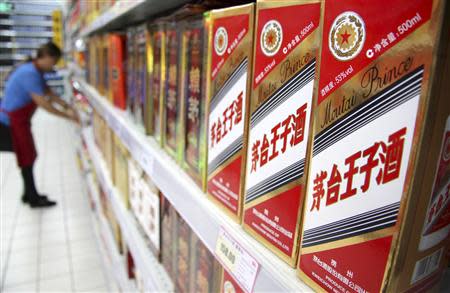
{"x": 48, "y": 106}
{"x": 54, "y": 98}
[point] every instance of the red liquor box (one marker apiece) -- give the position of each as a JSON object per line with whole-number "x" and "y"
{"x": 376, "y": 216}
{"x": 229, "y": 284}
{"x": 117, "y": 74}
{"x": 229, "y": 84}
{"x": 285, "y": 54}
{"x": 193, "y": 122}
{"x": 171, "y": 96}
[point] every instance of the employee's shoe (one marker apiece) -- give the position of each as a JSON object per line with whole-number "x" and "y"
{"x": 42, "y": 202}
{"x": 26, "y": 198}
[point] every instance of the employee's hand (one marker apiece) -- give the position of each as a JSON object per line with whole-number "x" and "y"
{"x": 73, "y": 115}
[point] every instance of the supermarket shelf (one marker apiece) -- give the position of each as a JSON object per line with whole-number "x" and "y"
{"x": 189, "y": 200}
{"x": 124, "y": 13}
{"x": 26, "y": 22}
{"x": 10, "y": 33}
{"x": 17, "y": 57}
{"x": 75, "y": 69}
{"x": 14, "y": 45}
{"x": 156, "y": 279}
{"x": 114, "y": 263}
{"x": 28, "y": 12}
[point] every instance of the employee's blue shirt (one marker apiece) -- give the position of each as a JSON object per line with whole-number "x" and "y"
{"x": 25, "y": 80}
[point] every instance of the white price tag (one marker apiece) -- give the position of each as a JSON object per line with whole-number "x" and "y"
{"x": 238, "y": 262}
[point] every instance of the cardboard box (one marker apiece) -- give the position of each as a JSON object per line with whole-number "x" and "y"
{"x": 158, "y": 78}
{"x": 121, "y": 170}
{"x": 109, "y": 149}
{"x": 141, "y": 74}
{"x": 193, "y": 123}
{"x": 168, "y": 237}
{"x": 376, "y": 217}
{"x": 171, "y": 97}
{"x": 229, "y": 80}
{"x": 131, "y": 63}
{"x": 117, "y": 57}
{"x": 151, "y": 219}
{"x": 206, "y": 271}
{"x": 183, "y": 256}
{"x": 148, "y": 108}
{"x": 285, "y": 53}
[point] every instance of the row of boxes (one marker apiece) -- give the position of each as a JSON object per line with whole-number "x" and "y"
{"x": 188, "y": 262}
{"x": 313, "y": 123}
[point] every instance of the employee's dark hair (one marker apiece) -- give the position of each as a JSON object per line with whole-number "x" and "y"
{"x": 49, "y": 49}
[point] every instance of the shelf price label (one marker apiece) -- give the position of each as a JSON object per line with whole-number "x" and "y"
{"x": 236, "y": 260}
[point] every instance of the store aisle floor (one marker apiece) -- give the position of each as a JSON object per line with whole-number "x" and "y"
{"x": 50, "y": 249}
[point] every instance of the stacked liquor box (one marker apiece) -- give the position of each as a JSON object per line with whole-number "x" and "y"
{"x": 112, "y": 220}
{"x": 105, "y": 67}
{"x": 168, "y": 237}
{"x": 194, "y": 101}
{"x": 121, "y": 156}
{"x": 149, "y": 61}
{"x": 157, "y": 37}
{"x": 171, "y": 98}
{"x": 378, "y": 188}
{"x": 285, "y": 52}
{"x": 205, "y": 270}
{"x": 145, "y": 204}
{"x": 183, "y": 256}
{"x": 141, "y": 74}
{"x": 109, "y": 150}
{"x": 230, "y": 49}
{"x": 117, "y": 74}
{"x": 131, "y": 62}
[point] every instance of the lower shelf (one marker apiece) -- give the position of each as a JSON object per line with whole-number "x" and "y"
{"x": 156, "y": 278}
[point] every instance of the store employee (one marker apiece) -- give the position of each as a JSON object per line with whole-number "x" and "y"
{"x": 25, "y": 91}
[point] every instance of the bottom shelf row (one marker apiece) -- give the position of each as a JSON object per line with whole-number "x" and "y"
{"x": 187, "y": 261}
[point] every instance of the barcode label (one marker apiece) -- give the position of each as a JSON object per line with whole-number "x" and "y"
{"x": 426, "y": 266}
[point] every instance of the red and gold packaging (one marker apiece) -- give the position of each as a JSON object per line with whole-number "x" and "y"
{"x": 229, "y": 80}
{"x": 157, "y": 35}
{"x": 194, "y": 101}
{"x": 117, "y": 75}
{"x": 285, "y": 53}
{"x": 376, "y": 216}
{"x": 229, "y": 284}
{"x": 172, "y": 97}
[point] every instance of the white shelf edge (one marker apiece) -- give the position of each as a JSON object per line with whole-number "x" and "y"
{"x": 190, "y": 201}
{"x": 156, "y": 277}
